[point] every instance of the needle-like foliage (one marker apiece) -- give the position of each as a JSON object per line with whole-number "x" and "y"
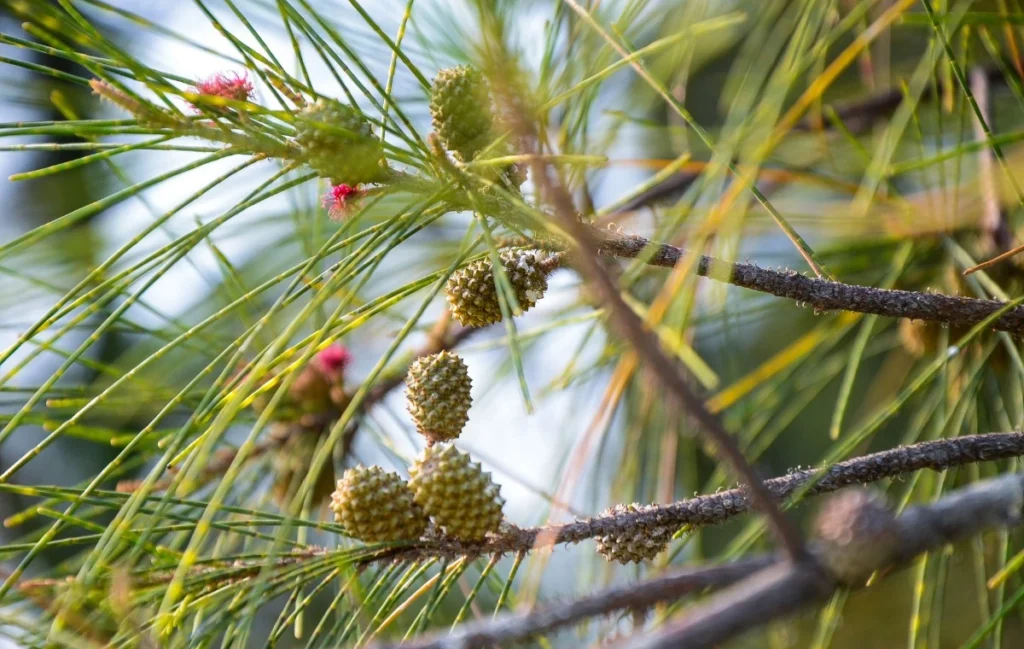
{"x": 704, "y": 263}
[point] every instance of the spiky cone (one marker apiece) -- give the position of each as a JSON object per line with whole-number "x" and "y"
{"x": 338, "y": 143}
{"x": 293, "y": 462}
{"x": 377, "y": 506}
{"x": 452, "y": 489}
{"x": 642, "y": 542}
{"x": 460, "y": 108}
{"x": 437, "y": 395}
{"x": 473, "y": 296}
{"x": 857, "y": 534}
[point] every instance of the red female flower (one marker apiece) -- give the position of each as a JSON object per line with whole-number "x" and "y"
{"x": 333, "y": 360}
{"x": 229, "y": 86}
{"x": 337, "y": 200}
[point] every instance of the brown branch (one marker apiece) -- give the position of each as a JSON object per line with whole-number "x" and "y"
{"x": 775, "y": 588}
{"x": 781, "y": 590}
{"x": 713, "y": 509}
{"x": 822, "y": 295}
{"x": 639, "y": 596}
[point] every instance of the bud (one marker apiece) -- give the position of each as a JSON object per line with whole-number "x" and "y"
{"x": 318, "y": 388}
{"x": 339, "y": 199}
{"x": 227, "y": 86}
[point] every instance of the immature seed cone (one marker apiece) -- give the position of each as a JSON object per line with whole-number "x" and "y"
{"x": 857, "y": 533}
{"x": 339, "y": 144}
{"x": 641, "y": 543}
{"x": 452, "y": 489}
{"x": 460, "y": 105}
{"x": 438, "y": 395}
{"x": 376, "y": 505}
{"x": 473, "y": 296}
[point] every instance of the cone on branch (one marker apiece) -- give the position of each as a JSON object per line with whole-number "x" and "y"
{"x": 301, "y": 421}
{"x": 438, "y": 395}
{"x": 462, "y": 114}
{"x": 642, "y": 542}
{"x": 376, "y": 506}
{"x": 453, "y": 490}
{"x": 473, "y": 296}
{"x": 338, "y": 143}
{"x": 460, "y": 108}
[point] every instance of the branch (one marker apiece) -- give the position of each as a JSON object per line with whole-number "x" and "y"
{"x": 781, "y": 590}
{"x": 713, "y": 509}
{"x": 821, "y": 294}
{"x": 775, "y": 589}
{"x": 639, "y": 596}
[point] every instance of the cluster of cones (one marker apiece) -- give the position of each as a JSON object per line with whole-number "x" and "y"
{"x": 445, "y": 486}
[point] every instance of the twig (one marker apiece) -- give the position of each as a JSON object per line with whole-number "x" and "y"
{"x": 713, "y": 509}
{"x": 639, "y": 596}
{"x": 822, "y": 295}
{"x": 774, "y": 590}
{"x": 781, "y": 590}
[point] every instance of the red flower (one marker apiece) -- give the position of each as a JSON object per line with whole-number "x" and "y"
{"x": 333, "y": 360}
{"x": 229, "y": 86}
{"x": 337, "y": 200}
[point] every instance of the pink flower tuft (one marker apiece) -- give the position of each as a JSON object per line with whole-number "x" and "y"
{"x": 229, "y": 86}
{"x": 337, "y": 200}
{"x": 334, "y": 359}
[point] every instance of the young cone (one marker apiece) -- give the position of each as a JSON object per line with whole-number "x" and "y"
{"x": 452, "y": 489}
{"x": 473, "y": 295}
{"x": 641, "y": 543}
{"x": 460, "y": 107}
{"x": 339, "y": 144}
{"x": 376, "y": 506}
{"x": 438, "y": 395}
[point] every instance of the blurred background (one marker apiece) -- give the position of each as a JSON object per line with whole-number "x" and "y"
{"x": 882, "y": 176}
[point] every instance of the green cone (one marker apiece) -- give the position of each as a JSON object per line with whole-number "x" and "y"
{"x": 376, "y": 506}
{"x": 473, "y": 296}
{"x": 438, "y": 395}
{"x": 339, "y": 144}
{"x": 453, "y": 490}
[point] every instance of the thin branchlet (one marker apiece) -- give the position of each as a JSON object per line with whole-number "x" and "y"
{"x": 821, "y": 294}
{"x": 754, "y": 590}
{"x": 714, "y": 509}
